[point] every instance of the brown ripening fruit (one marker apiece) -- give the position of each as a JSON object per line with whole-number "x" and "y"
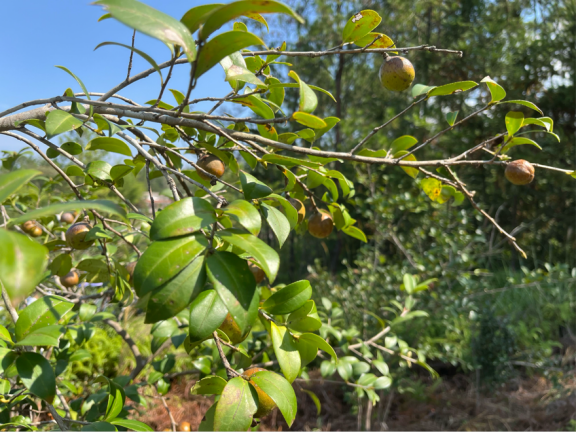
{"x": 265, "y": 403}
{"x": 520, "y": 172}
{"x": 36, "y": 232}
{"x": 75, "y": 236}
{"x": 130, "y": 269}
{"x": 257, "y": 272}
{"x": 67, "y": 217}
{"x": 70, "y": 279}
{"x": 211, "y": 164}
{"x": 184, "y": 426}
{"x": 232, "y": 330}
{"x": 300, "y": 207}
{"x": 28, "y": 226}
{"x": 396, "y": 73}
{"x": 321, "y": 224}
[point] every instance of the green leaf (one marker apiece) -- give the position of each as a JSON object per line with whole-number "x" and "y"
{"x": 236, "y": 71}
{"x": 280, "y": 391}
{"x": 360, "y": 24}
{"x": 59, "y": 121}
{"x": 207, "y": 312}
{"x": 295, "y": 85}
{"x": 174, "y": 296}
{"x": 253, "y": 188}
{"x": 355, "y": 232}
{"x": 182, "y": 218}
{"x": 106, "y": 206}
{"x": 345, "y": 369}
{"x": 289, "y": 210}
{"x": 383, "y": 42}
{"x": 22, "y": 264}
{"x": 451, "y": 116}
{"x": 139, "y": 217}
{"x": 539, "y": 122}
{"x": 229, "y": 12}
{"x": 98, "y": 426}
{"x": 289, "y": 299}
{"x": 37, "y": 375}
{"x": 309, "y": 120}
{"x": 99, "y": 170}
{"x": 79, "y": 81}
{"x": 289, "y": 161}
{"x": 245, "y": 214}
{"x": 286, "y": 351}
{"x": 277, "y": 222}
{"x": 308, "y": 100}
{"x": 383, "y": 382}
{"x": 74, "y": 170}
{"x": 497, "y": 92}
{"x": 110, "y": 144}
{"x": 257, "y": 105}
{"x": 514, "y": 121}
{"x": 14, "y": 180}
{"x": 411, "y": 171}
{"x": 211, "y": 385}
{"x": 46, "y": 336}
{"x": 236, "y": 406}
{"x": 319, "y": 342}
{"x": 315, "y": 400}
{"x": 7, "y": 358}
{"x": 266, "y": 257}
{"x": 46, "y": 311}
{"x": 305, "y": 319}
{"x": 452, "y": 88}
{"x": 119, "y": 171}
{"x": 165, "y": 259}
{"x": 403, "y": 143}
{"x": 420, "y": 89}
{"x": 4, "y": 334}
{"x": 131, "y": 424}
{"x": 151, "y": 22}
{"x": 72, "y": 148}
{"x": 525, "y": 103}
{"x": 223, "y": 45}
{"x": 142, "y": 54}
{"x": 194, "y": 17}
{"x": 235, "y": 285}
{"x": 516, "y": 141}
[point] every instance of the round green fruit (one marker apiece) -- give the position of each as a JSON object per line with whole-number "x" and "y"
{"x": 75, "y": 236}
{"x": 265, "y": 403}
{"x": 396, "y": 73}
{"x": 520, "y": 172}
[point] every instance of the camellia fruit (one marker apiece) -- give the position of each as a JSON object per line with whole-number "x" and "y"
{"x": 70, "y": 279}
{"x": 396, "y": 73}
{"x": 232, "y": 330}
{"x": 75, "y": 236}
{"x": 257, "y": 272}
{"x": 184, "y": 426}
{"x": 35, "y": 232}
{"x": 67, "y": 217}
{"x": 28, "y": 226}
{"x": 321, "y": 224}
{"x": 212, "y": 165}
{"x": 265, "y": 403}
{"x": 520, "y": 172}
{"x": 300, "y": 207}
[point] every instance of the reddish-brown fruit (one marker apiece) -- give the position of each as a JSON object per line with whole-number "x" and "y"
{"x": 28, "y": 226}
{"x": 36, "y": 232}
{"x": 67, "y": 218}
{"x": 265, "y": 403}
{"x": 300, "y": 207}
{"x": 396, "y": 73}
{"x": 130, "y": 269}
{"x": 321, "y": 224}
{"x": 70, "y": 279}
{"x": 75, "y": 236}
{"x": 211, "y": 164}
{"x": 184, "y": 426}
{"x": 257, "y": 272}
{"x": 232, "y": 330}
{"x": 520, "y": 172}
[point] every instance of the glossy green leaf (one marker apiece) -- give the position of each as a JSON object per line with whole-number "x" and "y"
{"x": 253, "y": 188}
{"x": 99, "y": 170}
{"x": 211, "y": 385}
{"x": 452, "y": 88}
{"x": 131, "y": 424}
{"x": 119, "y": 171}
{"x": 194, "y": 17}
{"x": 142, "y": 54}
{"x": 257, "y": 105}
{"x": 309, "y": 120}
{"x": 295, "y": 85}
{"x": 236, "y": 406}
{"x": 245, "y": 214}
{"x": 514, "y": 121}
{"x": 11, "y": 182}
{"x": 265, "y": 256}
{"x": 308, "y": 99}
{"x": 289, "y": 161}
{"x": 165, "y": 259}
{"x": 360, "y": 24}
{"x": 229, "y": 12}
{"x": 286, "y": 351}
{"x": 174, "y": 296}
{"x": 79, "y": 81}
{"x": 539, "y": 122}
{"x": 305, "y": 319}
{"x": 411, "y": 171}
{"x": 420, "y": 89}
{"x": 46, "y": 336}
{"x": 7, "y": 358}
{"x": 289, "y": 210}
{"x": 497, "y": 92}
{"x": 319, "y": 342}
{"x": 516, "y": 141}
{"x": 290, "y": 298}
{"x": 4, "y": 334}
{"x": 224, "y": 45}
{"x": 58, "y": 121}
{"x": 451, "y": 116}
{"x": 207, "y": 312}
{"x": 525, "y": 103}
{"x": 280, "y": 391}
{"x": 109, "y": 144}
{"x": 277, "y": 222}
{"x": 105, "y": 206}
{"x": 182, "y": 218}
{"x": 151, "y": 22}
{"x": 22, "y": 264}
{"x": 345, "y": 370}
{"x": 37, "y": 375}
{"x": 46, "y": 311}
{"x": 236, "y": 286}
{"x": 355, "y": 232}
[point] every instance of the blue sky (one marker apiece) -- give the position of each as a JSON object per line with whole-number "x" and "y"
{"x": 37, "y": 35}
